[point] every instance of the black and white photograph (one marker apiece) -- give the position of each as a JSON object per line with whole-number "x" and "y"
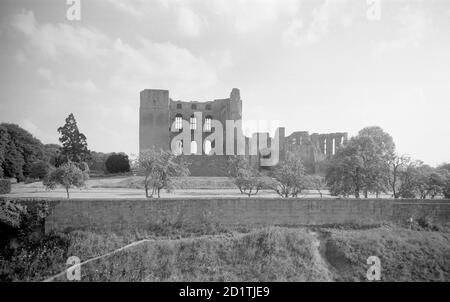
{"x": 223, "y": 146}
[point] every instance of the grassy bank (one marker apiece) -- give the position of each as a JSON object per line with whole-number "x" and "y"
{"x": 405, "y": 255}
{"x": 211, "y": 253}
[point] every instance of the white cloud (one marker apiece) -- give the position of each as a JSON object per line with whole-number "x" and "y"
{"x": 61, "y": 83}
{"x": 328, "y": 14}
{"x": 132, "y": 68}
{"x": 245, "y": 16}
{"x": 161, "y": 65}
{"x": 126, "y": 6}
{"x": 412, "y": 28}
{"x": 188, "y": 22}
{"x": 251, "y": 15}
{"x": 56, "y": 40}
{"x": 37, "y": 132}
{"x": 20, "y": 57}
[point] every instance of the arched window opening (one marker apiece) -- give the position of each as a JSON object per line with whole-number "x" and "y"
{"x": 178, "y": 148}
{"x": 193, "y": 123}
{"x": 193, "y": 147}
{"x": 208, "y": 124}
{"x": 178, "y": 122}
{"x": 325, "y": 146}
{"x": 208, "y": 147}
{"x": 334, "y": 147}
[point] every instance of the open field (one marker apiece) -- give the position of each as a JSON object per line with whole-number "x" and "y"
{"x": 132, "y": 187}
{"x": 211, "y": 253}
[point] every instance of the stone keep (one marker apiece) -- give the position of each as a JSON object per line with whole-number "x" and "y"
{"x": 158, "y": 113}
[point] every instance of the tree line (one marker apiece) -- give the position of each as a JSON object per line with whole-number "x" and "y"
{"x": 367, "y": 164}
{"x": 23, "y": 157}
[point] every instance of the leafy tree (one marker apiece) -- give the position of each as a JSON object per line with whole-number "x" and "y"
{"x": 97, "y": 161}
{"x": 409, "y": 181}
{"x": 74, "y": 145}
{"x": 68, "y": 175}
{"x": 344, "y": 171}
{"x": 445, "y": 171}
{"x": 317, "y": 182}
{"x": 14, "y": 162}
{"x": 445, "y": 167}
{"x": 361, "y": 166}
{"x": 422, "y": 181}
{"x": 3, "y": 143}
{"x": 52, "y": 154}
{"x": 158, "y": 167}
{"x": 290, "y": 178}
{"x": 384, "y": 142}
{"x": 117, "y": 163}
{"x": 246, "y": 177}
{"x": 39, "y": 169}
{"x": 430, "y": 182}
{"x": 436, "y": 183}
{"x": 446, "y": 187}
{"x": 21, "y": 150}
{"x": 397, "y": 165}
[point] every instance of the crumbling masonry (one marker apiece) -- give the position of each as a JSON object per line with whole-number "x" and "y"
{"x": 158, "y": 113}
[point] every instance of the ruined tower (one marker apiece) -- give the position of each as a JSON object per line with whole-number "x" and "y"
{"x": 154, "y": 119}
{"x": 162, "y": 119}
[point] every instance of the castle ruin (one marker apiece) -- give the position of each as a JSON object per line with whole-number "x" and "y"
{"x": 159, "y": 114}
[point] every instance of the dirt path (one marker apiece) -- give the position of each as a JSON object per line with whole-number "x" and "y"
{"x": 319, "y": 254}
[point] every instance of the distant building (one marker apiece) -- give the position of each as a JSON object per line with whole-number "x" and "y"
{"x": 159, "y": 113}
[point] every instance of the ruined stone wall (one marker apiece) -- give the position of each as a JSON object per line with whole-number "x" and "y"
{"x": 314, "y": 149}
{"x": 208, "y": 165}
{"x": 141, "y": 213}
{"x": 154, "y": 119}
{"x": 158, "y": 112}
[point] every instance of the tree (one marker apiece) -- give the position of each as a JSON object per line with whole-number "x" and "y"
{"x": 397, "y": 165}
{"x": 246, "y": 177}
{"x": 445, "y": 171}
{"x": 68, "y": 175}
{"x": 74, "y": 145}
{"x": 97, "y": 161}
{"x": 436, "y": 182}
{"x": 3, "y": 143}
{"x": 409, "y": 181}
{"x": 158, "y": 167}
{"x": 39, "y": 169}
{"x": 422, "y": 181}
{"x": 446, "y": 188}
{"x": 361, "y": 166}
{"x": 20, "y": 152}
{"x": 117, "y": 163}
{"x": 316, "y": 182}
{"x": 290, "y": 178}
{"x": 445, "y": 166}
{"x": 14, "y": 162}
{"x": 52, "y": 154}
{"x": 429, "y": 182}
{"x": 344, "y": 171}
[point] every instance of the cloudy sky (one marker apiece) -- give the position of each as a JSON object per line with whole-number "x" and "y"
{"x": 318, "y": 66}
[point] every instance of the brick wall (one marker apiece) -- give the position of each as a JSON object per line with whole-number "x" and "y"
{"x": 130, "y": 214}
